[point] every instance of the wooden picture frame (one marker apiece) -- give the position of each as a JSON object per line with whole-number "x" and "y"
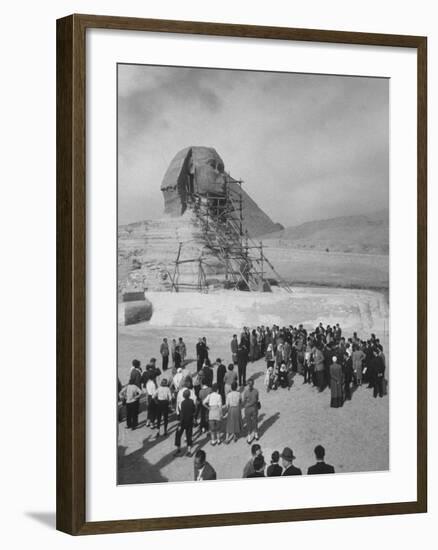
{"x": 71, "y": 273}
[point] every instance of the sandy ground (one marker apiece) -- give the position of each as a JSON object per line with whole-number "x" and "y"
{"x": 356, "y": 436}
{"x": 338, "y": 269}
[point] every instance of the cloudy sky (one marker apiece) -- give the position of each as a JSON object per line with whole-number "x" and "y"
{"x": 307, "y": 146}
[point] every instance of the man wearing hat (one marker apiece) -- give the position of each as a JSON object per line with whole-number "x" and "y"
{"x": 287, "y": 459}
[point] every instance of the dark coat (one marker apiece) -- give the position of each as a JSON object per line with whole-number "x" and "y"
{"x": 292, "y": 471}
{"x": 220, "y": 374}
{"x": 136, "y": 376}
{"x": 187, "y": 412}
{"x": 321, "y": 468}
{"x": 207, "y": 376}
{"x": 201, "y": 350}
{"x": 274, "y": 470}
{"x": 207, "y": 473}
{"x": 234, "y": 345}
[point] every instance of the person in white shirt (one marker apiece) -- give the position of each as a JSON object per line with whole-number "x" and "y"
{"x": 150, "y": 388}
{"x": 131, "y": 394}
{"x": 213, "y": 402}
{"x": 162, "y": 396}
{"x": 180, "y": 397}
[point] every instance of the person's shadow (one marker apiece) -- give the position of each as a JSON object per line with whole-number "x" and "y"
{"x": 267, "y": 423}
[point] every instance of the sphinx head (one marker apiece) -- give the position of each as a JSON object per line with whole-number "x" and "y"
{"x": 193, "y": 171}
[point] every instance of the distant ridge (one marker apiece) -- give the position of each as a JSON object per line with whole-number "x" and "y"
{"x": 365, "y": 233}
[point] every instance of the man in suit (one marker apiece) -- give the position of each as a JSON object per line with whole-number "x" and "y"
{"x": 164, "y": 350}
{"x": 320, "y": 467}
{"x": 186, "y": 417}
{"x": 287, "y": 459}
{"x": 220, "y": 375}
{"x": 203, "y": 470}
{"x": 201, "y": 353}
{"x": 136, "y": 373}
{"x": 242, "y": 361}
{"x": 378, "y": 367}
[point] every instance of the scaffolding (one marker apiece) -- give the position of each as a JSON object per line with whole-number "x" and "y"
{"x": 243, "y": 260}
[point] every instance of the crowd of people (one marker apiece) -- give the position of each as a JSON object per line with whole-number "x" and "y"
{"x": 218, "y": 399}
{"x": 281, "y": 464}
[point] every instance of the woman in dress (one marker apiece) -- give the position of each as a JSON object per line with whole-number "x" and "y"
{"x": 229, "y": 378}
{"x": 234, "y": 413}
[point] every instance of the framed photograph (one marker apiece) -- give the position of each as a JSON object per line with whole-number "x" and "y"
{"x": 241, "y": 274}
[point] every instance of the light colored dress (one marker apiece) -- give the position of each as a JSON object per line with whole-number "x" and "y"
{"x": 234, "y": 418}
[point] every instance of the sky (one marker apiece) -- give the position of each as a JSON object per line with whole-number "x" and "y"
{"x": 306, "y": 146}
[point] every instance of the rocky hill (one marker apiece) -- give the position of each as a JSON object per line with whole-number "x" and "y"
{"x": 367, "y": 233}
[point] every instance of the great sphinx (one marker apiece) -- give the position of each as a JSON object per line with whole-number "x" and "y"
{"x": 200, "y": 171}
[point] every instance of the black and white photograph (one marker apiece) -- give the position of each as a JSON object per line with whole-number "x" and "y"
{"x": 252, "y": 274}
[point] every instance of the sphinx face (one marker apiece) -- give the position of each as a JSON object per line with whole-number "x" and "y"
{"x": 208, "y": 172}
{"x": 193, "y": 171}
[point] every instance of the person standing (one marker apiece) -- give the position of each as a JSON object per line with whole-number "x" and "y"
{"x": 336, "y": 383}
{"x": 307, "y": 361}
{"x": 274, "y": 469}
{"x": 378, "y": 367}
{"x": 256, "y": 450}
{"x": 150, "y": 389}
{"x": 213, "y": 403}
{"x": 201, "y": 354}
{"x": 242, "y": 361}
{"x": 207, "y": 373}
{"x": 234, "y": 414}
{"x": 137, "y": 380}
{"x": 162, "y": 397}
{"x": 173, "y": 351}
{"x": 177, "y": 358}
{"x": 186, "y": 416}
{"x": 288, "y": 457}
{"x": 136, "y": 373}
{"x": 187, "y": 385}
{"x": 259, "y": 467}
{"x": 220, "y": 377}
{"x": 130, "y": 394}
{"x": 203, "y": 470}
{"x": 347, "y": 369}
{"x": 320, "y": 467}
{"x": 234, "y": 345}
{"x": 357, "y": 358}
{"x": 182, "y": 350}
{"x": 318, "y": 359}
{"x": 164, "y": 351}
{"x": 251, "y": 405}
{"x": 230, "y": 377}
{"x": 203, "y": 393}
